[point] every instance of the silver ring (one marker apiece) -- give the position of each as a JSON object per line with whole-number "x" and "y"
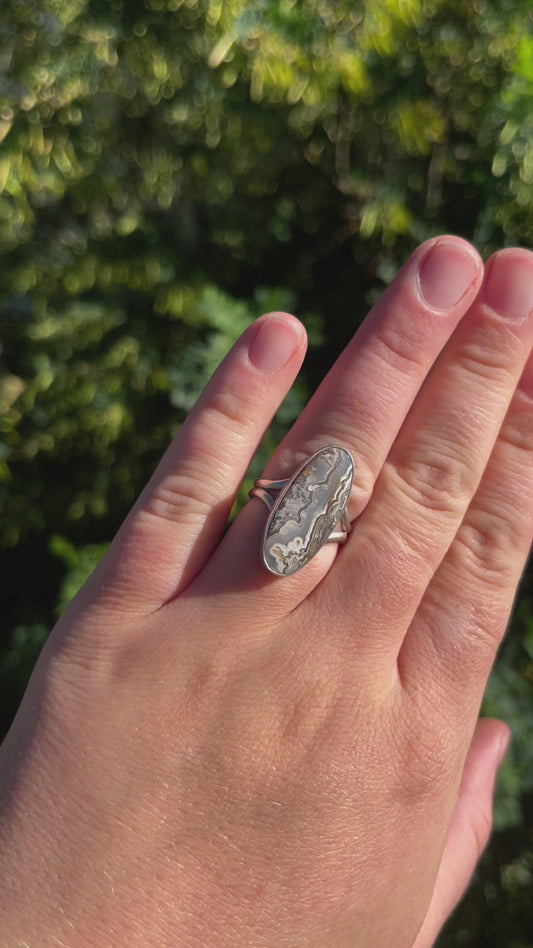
{"x": 306, "y": 510}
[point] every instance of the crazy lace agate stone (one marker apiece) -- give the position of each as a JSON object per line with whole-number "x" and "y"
{"x": 307, "y": 510}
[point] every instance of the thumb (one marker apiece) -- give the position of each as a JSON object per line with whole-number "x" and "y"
{"x": 470, "y": 826}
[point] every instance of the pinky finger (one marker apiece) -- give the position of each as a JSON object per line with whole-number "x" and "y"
{"x": 470, "y": 827}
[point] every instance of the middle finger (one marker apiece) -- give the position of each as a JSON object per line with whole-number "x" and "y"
{"x": 436, "y": 464}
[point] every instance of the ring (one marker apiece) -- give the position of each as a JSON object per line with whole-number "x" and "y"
{"x": 306, "y": 510}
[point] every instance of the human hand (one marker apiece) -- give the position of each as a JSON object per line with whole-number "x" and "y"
{"x": 208, "y": 755}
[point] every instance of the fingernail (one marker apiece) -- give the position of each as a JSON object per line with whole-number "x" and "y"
{"x": 446, "y": 273}
{"x": 509, "y": 284}
{"x": 273, "y": 344}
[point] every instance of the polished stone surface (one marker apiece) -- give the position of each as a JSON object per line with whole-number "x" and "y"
{"x": 307, "y": 510}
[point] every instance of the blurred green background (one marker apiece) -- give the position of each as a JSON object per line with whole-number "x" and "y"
{"x": 168, "y": 171}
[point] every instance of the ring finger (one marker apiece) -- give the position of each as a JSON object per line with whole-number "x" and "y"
{"x": 354, "y": 407}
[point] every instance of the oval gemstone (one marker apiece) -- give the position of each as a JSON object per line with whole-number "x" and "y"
{"x": 307, "y": 510}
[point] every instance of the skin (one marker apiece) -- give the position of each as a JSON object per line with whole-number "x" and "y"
{"x": 210, "y": 755}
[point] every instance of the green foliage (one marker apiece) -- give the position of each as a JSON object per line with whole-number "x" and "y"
{"x": 166, "y": 166}
{"x": 79, "y": 562}
{"x": 509, "y": 697}
{"x": 18, "y": 658}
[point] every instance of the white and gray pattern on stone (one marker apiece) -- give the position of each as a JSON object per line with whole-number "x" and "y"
{"x": 307, "y": 510}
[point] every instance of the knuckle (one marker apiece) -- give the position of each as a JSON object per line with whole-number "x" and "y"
{"x": 517, "y": 430}
{"x": 178, "y": 498}
{"x": 488, "y": 539}
{"x": 491, "y": 353}
{"x": 425, "y": 762}
{"x": 307, "y": 713}
{"x": 491, "y": 356}
{"x": 475, "y": 629}
{"x": 228, "y": 409}
{"x": 398, "y": 350}
{"x": 437, "y": 480}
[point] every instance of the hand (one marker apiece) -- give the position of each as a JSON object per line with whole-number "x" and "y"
{"x": 208, "y": 755}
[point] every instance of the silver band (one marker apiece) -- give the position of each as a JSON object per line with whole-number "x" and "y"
{"x": 305, "y": 510}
